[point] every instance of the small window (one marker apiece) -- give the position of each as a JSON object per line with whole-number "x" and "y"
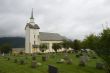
{"x": 38, "y": 36}
{"x": 34, "y": 36}
{"x": 34, "y": 42}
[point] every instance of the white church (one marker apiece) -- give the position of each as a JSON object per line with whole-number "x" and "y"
{"x": 34, "y": 37}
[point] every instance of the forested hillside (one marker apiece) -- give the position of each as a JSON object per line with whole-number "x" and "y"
{"x": 15, "y": 42}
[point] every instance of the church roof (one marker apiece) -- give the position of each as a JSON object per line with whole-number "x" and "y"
{"x": 33, "y": 26}
{"x": 45, "y": 36}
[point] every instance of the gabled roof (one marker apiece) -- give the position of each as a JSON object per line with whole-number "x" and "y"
{"x": 45, "y": 36}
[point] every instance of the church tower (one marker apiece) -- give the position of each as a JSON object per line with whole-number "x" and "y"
{"x": 31, "y": 36}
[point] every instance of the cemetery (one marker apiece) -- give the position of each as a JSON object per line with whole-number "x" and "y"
{"x": 60, "y": 63}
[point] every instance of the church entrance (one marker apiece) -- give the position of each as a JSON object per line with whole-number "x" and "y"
{"x": 34, "y": 48}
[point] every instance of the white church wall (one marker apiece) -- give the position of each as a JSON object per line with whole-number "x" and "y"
{"x": 27, "y": 39}
{"x": 50, "y": 45}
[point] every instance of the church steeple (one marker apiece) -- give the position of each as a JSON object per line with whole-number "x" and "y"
{"x": 32, "y": 14}
{"x": 32, "y": 17}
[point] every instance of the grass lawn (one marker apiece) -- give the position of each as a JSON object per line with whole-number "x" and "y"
{"x": 11, "y": 67}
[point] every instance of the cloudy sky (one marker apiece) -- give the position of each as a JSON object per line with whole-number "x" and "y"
{"x": 74, "y": 19}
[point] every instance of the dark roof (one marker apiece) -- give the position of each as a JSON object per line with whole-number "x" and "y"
{"x": 36, "y": 26}
{"x": 33, "y": 26}
{"x": 44, "y": 36}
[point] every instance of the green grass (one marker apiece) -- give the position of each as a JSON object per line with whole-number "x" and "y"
{"x": 11, "y": 67}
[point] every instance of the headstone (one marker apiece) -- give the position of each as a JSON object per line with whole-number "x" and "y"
{"x": 34, "y": 64}
{"x": 85, "y": 56}
{"x": 22, "y": 62}
{"x": 33, "y": 57}
{"x": 3, "y": 54}
{"x": 61, "y": 61}
{"x": 82, "y": 61}
{"x": 69, "y": 61}
{"x": 52, "y": 69}
{"x": 99, "y": 65}
{"x": 44, "y": 58}
{"x": 39, "y": 64}
{"x": 65, "y": 57}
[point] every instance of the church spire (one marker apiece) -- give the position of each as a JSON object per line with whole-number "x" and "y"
{"x": 32, "y": 17}
{"x": 32, "y": 14}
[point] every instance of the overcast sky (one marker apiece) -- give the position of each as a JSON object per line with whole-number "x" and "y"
{"x": 74, "y": 19}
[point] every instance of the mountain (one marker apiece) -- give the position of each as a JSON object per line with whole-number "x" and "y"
{"x": 15, "y": 42}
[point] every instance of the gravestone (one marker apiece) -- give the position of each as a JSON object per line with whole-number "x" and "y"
{"x": 52, "y": 69}
{"x": 99, "y": 65}
{"x": 3, "y": 54}
{"x": 34, "y": 64}
{"x": 33, "y": 57}
{"x": 86, "y": 57}
{"x": 61, "y": 61}
{"x": 21, "y": 62}
{"x": 83, "y": 61}
{"x": 39, "y": 64}
{"x": 44, "y": 58}
{"x": 67, "y": 59}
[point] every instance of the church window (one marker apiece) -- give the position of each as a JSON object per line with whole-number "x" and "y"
{"x": 34, "y": 42}
{"x": 38, "y": 36}
{"x": 34, "y": 36}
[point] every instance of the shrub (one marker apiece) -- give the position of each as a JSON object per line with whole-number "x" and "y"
{"x": 22, "y": 62}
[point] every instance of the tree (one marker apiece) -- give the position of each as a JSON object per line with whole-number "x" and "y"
{"x": 56, "y": 46}
{"x": 103, "y": 48}
{"x": 90, "y": 42}
{"x": 101, "y": 45}
{"x": 6, "y": 48}
{"x": 42, "y": 47}
{"x": 65, "y": 44}
{"x": 76, "y": 45}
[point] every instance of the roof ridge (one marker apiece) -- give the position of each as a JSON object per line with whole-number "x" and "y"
{"x": 49, "y": 32}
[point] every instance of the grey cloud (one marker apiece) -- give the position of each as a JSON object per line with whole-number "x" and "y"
{"x": 71, "y": 18}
